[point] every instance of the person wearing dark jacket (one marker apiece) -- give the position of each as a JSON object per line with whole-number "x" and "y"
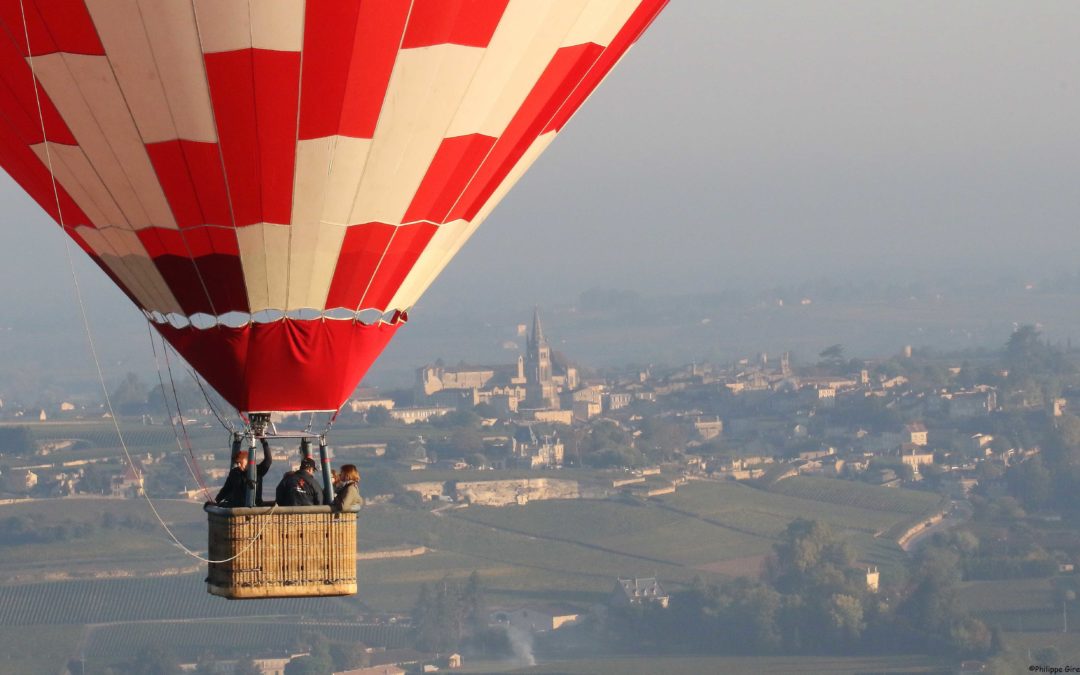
{"x": 260, "y": 470}
{"x": 233, "y": 493}
{"x": 298, "y": 488}
{"x": 348, "y": 493}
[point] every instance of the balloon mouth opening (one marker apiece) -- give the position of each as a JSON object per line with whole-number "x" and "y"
{"x": 203, "y": 321}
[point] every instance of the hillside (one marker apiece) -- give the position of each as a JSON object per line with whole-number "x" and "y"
{"x": 121, "y": 570}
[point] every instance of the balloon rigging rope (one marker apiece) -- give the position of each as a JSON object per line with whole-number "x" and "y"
{"x": 224, "y": 421}
{"x": 193, "y": 465}
{"x": 90, "y": 338}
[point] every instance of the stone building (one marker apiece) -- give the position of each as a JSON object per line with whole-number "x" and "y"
{"x": 534, "y": 382}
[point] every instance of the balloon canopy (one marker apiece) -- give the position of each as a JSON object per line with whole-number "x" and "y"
{"x": 276, "y": 182}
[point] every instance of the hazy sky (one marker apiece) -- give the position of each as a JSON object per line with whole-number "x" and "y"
{"x": 765, "y": 141}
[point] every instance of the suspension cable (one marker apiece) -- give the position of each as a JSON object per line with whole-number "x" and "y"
{"x": 193, "y": 467}
{"x": 183, "y": 424}
{"x": 222, "y": 420}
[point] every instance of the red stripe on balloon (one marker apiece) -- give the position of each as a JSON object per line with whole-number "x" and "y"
{"x": 211, "y": 240}
{"x": 404, "y": 249}
{"x": 470, "y": 23}
{"x": 454, "y": 165}
{"x": 222, "y": 274}
{"x": 285, "y": 365}
{"x": 21, "y": 106}
{"x": 566, "y": 69}
{"x": 255, "y": 96}
{"x": 361, "y": 251}
{"x": 70, "y": 26}
{"x": 277, "y": 97}
{"x": 349, "y": 52}
{"x": 53, "y": 26}
{"x": 32, "y": 175}
{"x": 169, "y": 253}
{"x": 201, "y": 266}
{"x": 627, "y": 35}
{"x": 190, "y": 174}
{"x": 175, "y": 177}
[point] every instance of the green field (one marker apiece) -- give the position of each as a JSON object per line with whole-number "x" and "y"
{"x": 768, "y": 512}
{"x": 859, "y": 495}
{"x": 646, "y": 532}
{"x": 1022, "y": 605}
{"x": 139, "y": 438}
{"x": 514, "y": 565}
{"x": 143, "y": 599}
{"x": 568, "y": 551}
{"x": 37, "y": 649}
{"x": 1067, "y": 644}
{"x": 144, "y": 548}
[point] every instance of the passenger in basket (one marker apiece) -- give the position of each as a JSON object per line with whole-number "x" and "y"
{"x": 233, "y": 493}
{"x": 348, "y": 494}
{"x": 299, "y": 488}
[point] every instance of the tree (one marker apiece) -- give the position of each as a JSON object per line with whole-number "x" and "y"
{"x": 486, "y": 410}
{"x": 156, "y": 659}
{"x": 832, "y": 353}
{"x": 310, "y": 665}
{"x": 661, "y": 439}
{"x": 247, "y": 666}
{"x": 457, "y": 418}
{"x": 1046, "y": 656}
{"x": 377, "y": 482}
{"x": 95, "y": 480}
{"x": 404, "y": 449}
{"x": 1026, "y": 355}
{"x": 970, "y": 637}
{"x": 464, "y": 442}
{"x": 1031, "y": 482}
{"x": 475, "y": 604}
{"x": 378, "y": 416}
{"x": 16, "y": 442}
{"x": 130, "y": 396}
{"x": 424, "y": 618}
{"x": 845, "y": 614}
{"x": 445, "y": 616}
{"x": 347, "y": 656}
{"x": 761, "y": 605}
{"x": 318, "y": 661}
{"x": 809, "y": 557}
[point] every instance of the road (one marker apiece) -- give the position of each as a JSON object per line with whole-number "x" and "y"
{"x": 959, "y": 512}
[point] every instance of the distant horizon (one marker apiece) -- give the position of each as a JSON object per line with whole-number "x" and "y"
{"x": 872, "y": 319}
{"x": 738, "y": 146}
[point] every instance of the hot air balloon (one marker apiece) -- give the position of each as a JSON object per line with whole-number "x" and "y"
{"x": 275, "y": 183}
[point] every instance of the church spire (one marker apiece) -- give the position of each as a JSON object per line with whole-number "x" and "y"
{"x": 537, "y": 336}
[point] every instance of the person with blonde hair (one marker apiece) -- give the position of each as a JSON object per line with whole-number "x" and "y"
{"x": 348, "y": 495}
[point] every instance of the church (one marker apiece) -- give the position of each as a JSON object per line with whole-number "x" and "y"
{"x": 535, "y": 382}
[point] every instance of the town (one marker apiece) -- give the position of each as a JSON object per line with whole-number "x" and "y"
{"x": 955, "y": 424}
{"x": 915, "y": 451}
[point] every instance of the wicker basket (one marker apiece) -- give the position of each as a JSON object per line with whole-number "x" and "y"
{"x": 300, "y": 551}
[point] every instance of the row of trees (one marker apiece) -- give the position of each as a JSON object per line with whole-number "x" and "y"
{"x": 813, "y": 600}
{"x": 1051, "y": 479}
{"x": 447, "y": 615}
